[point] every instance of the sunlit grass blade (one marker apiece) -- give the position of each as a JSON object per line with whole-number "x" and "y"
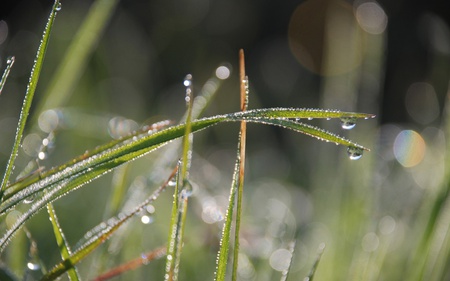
{"x": 309, "y": 130}
{"x": 100, "y": 234}
{"x": 77, "y": 55}
{"x": 310, "y": 276}
{"x": 181, "y": 194}
{"x": 69, "y": 177}
{"x": 133, "y": 264}
{"x": 244, "y": 91}
{"x": 306, "y": 113}
{"x": 9, "y": 64}
{"x": 285, "y": 273}
{"x": 222, "y": 256}
{"x": 31, "y": 88}
{"x": 61, "y": 241}
{"x": 139, "y": 143}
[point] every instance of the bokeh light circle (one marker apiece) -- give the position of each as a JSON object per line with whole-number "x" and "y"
{"x": 409, "y": 148}
{"x": 371, "y": 17}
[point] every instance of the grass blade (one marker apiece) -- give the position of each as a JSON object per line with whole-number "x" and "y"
{"x": 69, "y": 177}
{"x": 222, "y": 256}
{"x": 180, "y": 197}
{"x": 310, "y": 276}
{"x": 133, "y": 264}
{"x": 236, "y": 187}
{"x": 77, "y": 55}
{"x": 285, "y": 273}
{"x": 61, "y": 241}
{"x": 9, "y": 64}
{"x": 31, "y": 88}
{"x": 100, "y": 234}
{"x": 242, "y": 140}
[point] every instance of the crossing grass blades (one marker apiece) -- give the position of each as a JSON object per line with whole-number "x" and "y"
{"x": 43, "y": 187}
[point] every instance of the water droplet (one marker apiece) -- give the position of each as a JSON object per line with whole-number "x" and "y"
{"x": 310, "y": 118}
{"x": 348, "y": 123}
{"x": 187, "y": 80}
{"x": 146, "y": 219}
{"x": 354, "y": 153}
{"x": 29, "y": 199}
{"x": 172, "y": 183}
{"x": 144, "y": 259}
{"x": 33, "y": 266}
{"x": 42, "y": 155}
{"x": 58, "y": 7}
{"x": 187, "y": 189}
{"x": 10, "y": 60}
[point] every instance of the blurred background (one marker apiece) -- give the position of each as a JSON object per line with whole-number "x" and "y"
{"x": 389, "y": 58}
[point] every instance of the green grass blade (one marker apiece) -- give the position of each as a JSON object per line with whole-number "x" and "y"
{"x": 31, "y": 88}
{"x": 9, "y": 64}
{"x": 222, "y": 256}
{"x": 76, "y": 58}
{"x": 310, "y": 276}
{"x": 306, "y": 113}
{"x": 181, "y": 195}
{"x": 98, "y": 235}
{"x": 285, "y": 273}
{"x": 171, "y": 246}
{"x": 309, "y": 130}
{"x": 61, "y": 241}
{"x": 242, "y": 141}
{"x": 69, "y": 177}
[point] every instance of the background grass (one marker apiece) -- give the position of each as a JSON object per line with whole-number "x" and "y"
{"x": 374, "y": 215}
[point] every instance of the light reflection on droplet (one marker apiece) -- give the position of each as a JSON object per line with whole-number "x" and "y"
{"x": 371, "y": 17}
{"x": 33, "y": 266}
{"x": 223, "y": 72}
{"x": 354, "y": 153}
{"x": 409, "y": 148}
{"x": 146, "y": 219}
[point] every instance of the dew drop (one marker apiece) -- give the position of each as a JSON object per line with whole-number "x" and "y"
{"x": 187, "y": 189}
{"x": 310, "y": 118}
{"x": 42, "y": 155}
{"x": 187, "y": 80}
{"x": 172, "y": 183}
{"x": 29, "y": 199}
{"x": 354, "y": 153}
{"x": 146, "y": 219}
{"x": 348, "y": 123}
{"x": 33, "y": 266}
{"x": 58, "y": 8}
{"x": 10, "y": 60}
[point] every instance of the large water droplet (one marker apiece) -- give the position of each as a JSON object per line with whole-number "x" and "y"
{"x": 58, "y": 7}
{"x": 348, "y": 123}
{"x": 354, "y": 153}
